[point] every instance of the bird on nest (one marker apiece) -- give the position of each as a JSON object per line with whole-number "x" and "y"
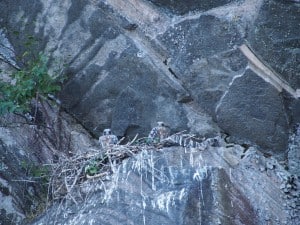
{"x": 107, "y": 139}
{"x": 159, "y": 133}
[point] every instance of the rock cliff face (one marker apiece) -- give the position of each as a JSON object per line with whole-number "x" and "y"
{"x": 25, "y": 149}
{"x": 216, "y": 185}
{"x": 135, "y": 62}
{"x": 132, "y": 63}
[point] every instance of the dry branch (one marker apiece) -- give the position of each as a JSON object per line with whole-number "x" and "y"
{"x": 68, "y": 173}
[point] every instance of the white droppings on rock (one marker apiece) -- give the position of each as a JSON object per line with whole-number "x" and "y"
{"x": 200, "y": 173}
{"x": 112, "y": 186}
{"x": 167, "y": 200}
{"x": 92, "y": 221}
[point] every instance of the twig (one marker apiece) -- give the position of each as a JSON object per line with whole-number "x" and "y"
{"x": 120, "y": 140}
{"x": 130, "y": 143}
{"x": 29, "y": 181}
{"x": 97, "y": 175}
{"x": 69, "y": 172}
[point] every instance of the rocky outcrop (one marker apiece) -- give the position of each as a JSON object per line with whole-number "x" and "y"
{"x": 27, "y": 149}
{"x": 132, "y": 63}
{"x": 240, "y": 117}
{"x": 182, "y": 7}
{"x": 276, "y": 40}
{"x": 179, "y": 185}
{"x": 293, "y": 152}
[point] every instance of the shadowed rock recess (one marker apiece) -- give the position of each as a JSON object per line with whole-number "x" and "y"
{"x": 131, "y": 63}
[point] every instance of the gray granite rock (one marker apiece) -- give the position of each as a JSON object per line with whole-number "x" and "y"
{"x": 195, "y": 39}
{"x": 181, "y": 186}
{"x": 124, "y": 93}
{"x": 24, "y": 151}
{"x": 275, "y": 38}
{"x": 191, "y": 59}
{"x": 186, "y": 6}
{"x": 293, "y": 153}
{"x": 246, "y": 107}
{"x": 132, "y": 63}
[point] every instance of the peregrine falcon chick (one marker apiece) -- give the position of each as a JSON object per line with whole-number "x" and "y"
{"x": 157, "y": 134}
{"x": 107, "y": 139}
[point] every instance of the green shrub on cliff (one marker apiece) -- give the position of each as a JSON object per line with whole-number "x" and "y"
{"x": 31, "y": 82}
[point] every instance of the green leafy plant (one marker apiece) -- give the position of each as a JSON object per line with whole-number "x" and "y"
{"x": 31, "y": 82}
{"x": 92, "y": 168}
{"x": 36, "y": 172}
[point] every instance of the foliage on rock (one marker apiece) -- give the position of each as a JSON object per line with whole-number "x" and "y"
{"x": 31, "y": 82}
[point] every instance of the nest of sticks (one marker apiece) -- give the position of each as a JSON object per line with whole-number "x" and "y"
{"x": 69, "y": 173}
